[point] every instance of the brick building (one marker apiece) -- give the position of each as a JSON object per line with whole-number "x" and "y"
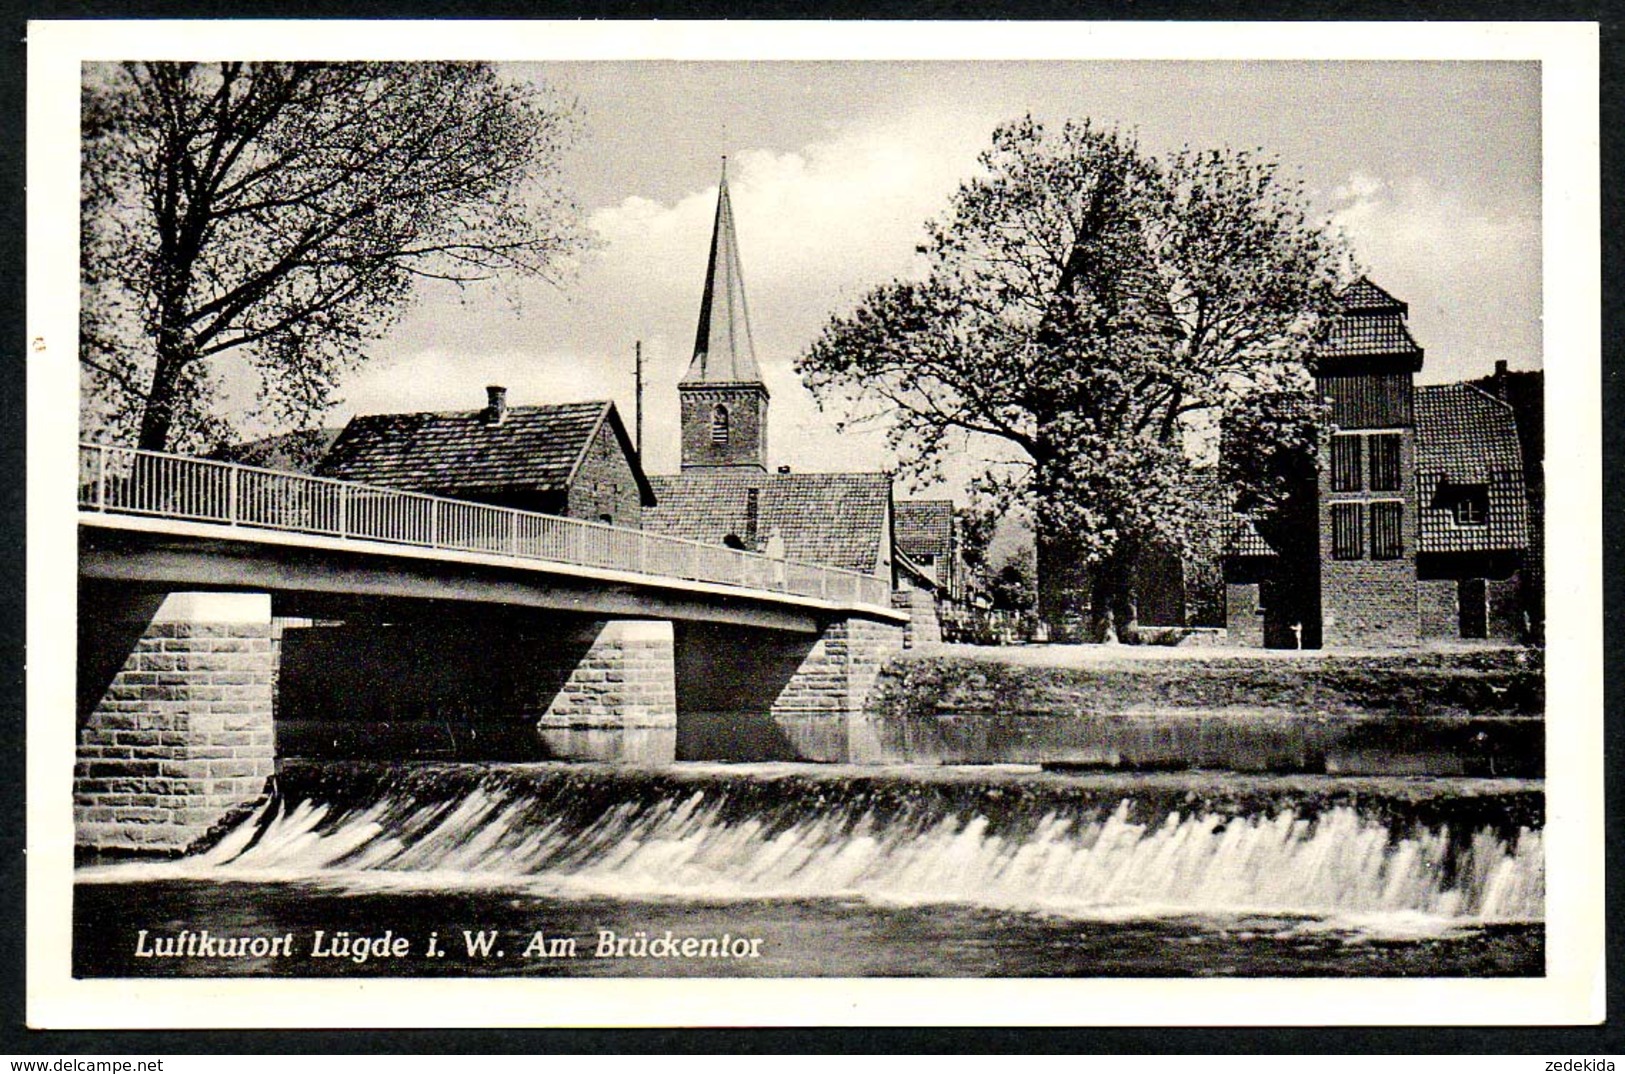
{"x": 1421, "y": 515}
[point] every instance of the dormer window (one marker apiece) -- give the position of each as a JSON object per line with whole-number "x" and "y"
{"x": 1472, "y": 506}
{"x": 1469, "y": 505}
{"x": 719, "y": 425}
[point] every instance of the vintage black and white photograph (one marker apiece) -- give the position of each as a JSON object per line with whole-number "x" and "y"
{"x": 861, "y": 518}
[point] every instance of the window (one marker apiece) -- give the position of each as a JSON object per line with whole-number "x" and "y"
{"x": 1471, "y": 505}
{"x": 719, "y": 425}
{"x": 1348, "y": 538}
{"x": 1385, "y": 462}
{"x": 608, "y": 520}
{"x": 1387, "y": 530}
{"x": 1345, "y": 463}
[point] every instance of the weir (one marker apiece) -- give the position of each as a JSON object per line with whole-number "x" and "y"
{"x": 997, "y": 838}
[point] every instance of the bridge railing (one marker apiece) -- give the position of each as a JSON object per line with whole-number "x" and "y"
{"x": 127, "y": 481}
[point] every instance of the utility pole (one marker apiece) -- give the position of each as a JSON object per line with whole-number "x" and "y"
{"x": 637, "y": 351}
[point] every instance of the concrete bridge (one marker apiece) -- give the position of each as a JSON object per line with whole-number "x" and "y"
{"x": 231, "y": 615}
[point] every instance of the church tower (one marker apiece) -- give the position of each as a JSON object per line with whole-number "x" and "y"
{"x": 724, "y": 402}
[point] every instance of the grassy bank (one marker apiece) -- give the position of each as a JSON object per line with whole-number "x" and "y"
{"x": 1092, "y": 680}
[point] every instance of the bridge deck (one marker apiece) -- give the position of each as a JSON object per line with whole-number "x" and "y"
{"x": 200, "y": 500}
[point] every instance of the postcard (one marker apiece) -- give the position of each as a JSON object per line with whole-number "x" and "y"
{"x": 542, "y": 524}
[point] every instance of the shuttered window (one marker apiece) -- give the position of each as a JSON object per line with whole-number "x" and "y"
{"x": 1371, "y": 401}
{"x": 1387, "y": 530}
{"x": 719, "y": 425}
{"x": 1348, "y": 538}
{"x": 1384, "y": 451}
{"x": 1346, "y": 463}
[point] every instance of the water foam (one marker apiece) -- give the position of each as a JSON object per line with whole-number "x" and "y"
{"x": 1086, "y": 856}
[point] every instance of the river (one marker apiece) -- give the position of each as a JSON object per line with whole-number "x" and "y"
{"x": 793, "y": 870}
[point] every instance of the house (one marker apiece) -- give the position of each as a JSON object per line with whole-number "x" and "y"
{"x": 927, "y": 535}
{"x": 1420, "y": 530}
{"x": 570, "y": 459}
{"x": 297, "y": 452}
{"x": 1525, "y": 392}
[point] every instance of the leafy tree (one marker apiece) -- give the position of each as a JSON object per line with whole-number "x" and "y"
{"x": 976, "y": 525}
{"x": 284, "y": 212}
{"x": 1272, "y": 445}
{"x": 1082, "y": 303}
{"x": 1010, "y": 589}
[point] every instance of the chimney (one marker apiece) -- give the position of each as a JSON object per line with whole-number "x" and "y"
{"x": 1501, "y": 379}
{"x": 496, "y": 405}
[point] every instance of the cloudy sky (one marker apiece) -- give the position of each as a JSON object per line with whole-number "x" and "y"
{"x": 1433, "y": 169}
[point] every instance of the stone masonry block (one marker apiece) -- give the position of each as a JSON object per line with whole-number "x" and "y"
{"x": 162, "y": 715}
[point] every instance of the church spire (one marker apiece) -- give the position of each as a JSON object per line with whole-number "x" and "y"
{"x": 722, "y": 398}
{"x": 723, "y": 350}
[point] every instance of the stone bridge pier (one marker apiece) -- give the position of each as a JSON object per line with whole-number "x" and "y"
{"x": 762, "y": 695}
{"x": 188, "y": 699}
{"x": 174, "y": 715}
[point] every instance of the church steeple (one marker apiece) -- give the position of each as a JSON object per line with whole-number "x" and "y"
{"x": 724, "y": 352}
{"x": 724, "y": 402}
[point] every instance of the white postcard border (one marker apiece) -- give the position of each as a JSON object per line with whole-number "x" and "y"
{"x": 1572, "y": 991}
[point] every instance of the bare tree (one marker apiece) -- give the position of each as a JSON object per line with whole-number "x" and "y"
{"x": 284, "y": 212}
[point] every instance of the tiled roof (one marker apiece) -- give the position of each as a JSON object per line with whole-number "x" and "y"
{"x": 925, "y": 527}
{"x": 724, "y": 352}
{"x": 296, "y": 452}
{"x": 1466, "y": 437}
{"x": 839, "y": 520}
{"x": 533, "y": 449}
{"x": 1367, "y": 334}
{"x": 1235, "y": 532}
{"x": 1243, "y": 538}
{"x": 1372, "y": 324}
{"x": 1362, "y": 294}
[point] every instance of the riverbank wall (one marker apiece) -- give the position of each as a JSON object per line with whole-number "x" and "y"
{"x": 1472, "y": 712}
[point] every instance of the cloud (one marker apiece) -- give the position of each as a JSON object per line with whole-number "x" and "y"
{"x": 817, "y": 227}
{"x": 1480, "y": 267}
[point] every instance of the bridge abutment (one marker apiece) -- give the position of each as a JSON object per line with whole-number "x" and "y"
{"x": 821, "y": 708}
{"x": 175, "y": 730}
{"x": 619, "y": 702}
{"x": 749, "y": 695}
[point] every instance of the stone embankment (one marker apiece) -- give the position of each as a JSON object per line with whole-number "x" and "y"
{"x": 1475, "y": 712}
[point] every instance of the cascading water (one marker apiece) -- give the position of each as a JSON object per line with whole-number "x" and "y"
{"x": 1073, "y": 846}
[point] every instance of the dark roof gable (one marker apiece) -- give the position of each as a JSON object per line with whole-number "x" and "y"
{"x": 925, "y": 527}
{"x": 1371, "y": 325}
{"x": 533, "y": 449}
